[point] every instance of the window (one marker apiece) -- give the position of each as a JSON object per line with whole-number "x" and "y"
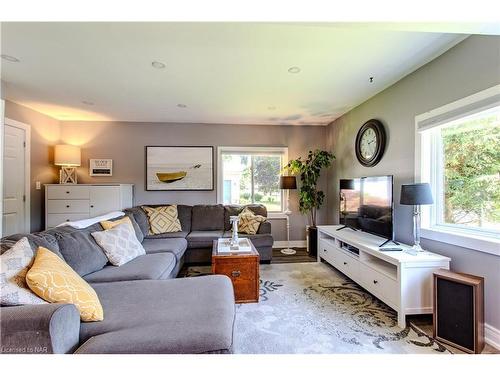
{"x": 460, "y": 158}
{"x": 251, "y": 175}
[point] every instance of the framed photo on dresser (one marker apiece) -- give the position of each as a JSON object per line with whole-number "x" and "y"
{"x": 179, "y": 168}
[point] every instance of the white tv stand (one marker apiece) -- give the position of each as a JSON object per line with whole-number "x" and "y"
{"x": 401, "y": 280}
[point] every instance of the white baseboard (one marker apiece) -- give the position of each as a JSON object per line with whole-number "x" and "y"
{"x": 281, "y": 244}
{"x": 492, "y": 336}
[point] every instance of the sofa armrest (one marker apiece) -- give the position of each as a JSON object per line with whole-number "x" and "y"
{"x": 265, "y": 227}
{"x": 37, "y": 329}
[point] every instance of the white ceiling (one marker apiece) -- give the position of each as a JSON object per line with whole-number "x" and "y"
{"x": 222, "y": 72}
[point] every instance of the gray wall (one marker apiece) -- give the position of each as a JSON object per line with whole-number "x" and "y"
{"x": 124, "y": 142}
{"x": 467, "y": 68}
{"x": 45, "y": 132}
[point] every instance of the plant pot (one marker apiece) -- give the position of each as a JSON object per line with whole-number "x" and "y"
{"x": 312, "y": 241}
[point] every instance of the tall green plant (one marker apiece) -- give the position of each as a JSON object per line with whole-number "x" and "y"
{"x": 310, "y": 198}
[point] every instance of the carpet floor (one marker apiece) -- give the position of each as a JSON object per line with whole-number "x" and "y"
{"x": 312, "y": 308}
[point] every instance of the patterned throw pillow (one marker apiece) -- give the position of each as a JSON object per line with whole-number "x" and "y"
{"x": 120, "y": 244}
{"x": 163, "y": 219}
{"x": 55, "y": 281}
{"x": 108, "y": 224}
{"x": 249, "y": 223}
{"x": 15, "y": 263}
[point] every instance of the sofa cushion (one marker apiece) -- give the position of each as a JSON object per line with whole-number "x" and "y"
{"x": 203, "y": 239}
{"x": 52, "y": 279}
{"x": 258, "y": 240}
{"x": 235, "y": 210}
{"x": 44, "y": 239}
{"x": 176, "y": 246}
{"x": 189, "y": 315}
{"x": 144, "y": 267}
{"x": 80, "y": 250}
{"x": 140, "y": 218}
{"x": 207, "y": 217}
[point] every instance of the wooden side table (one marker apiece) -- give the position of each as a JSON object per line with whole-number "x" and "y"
{"x": 242, "y": 269}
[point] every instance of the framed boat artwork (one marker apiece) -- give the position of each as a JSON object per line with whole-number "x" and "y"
{"x": 179, "y": 168}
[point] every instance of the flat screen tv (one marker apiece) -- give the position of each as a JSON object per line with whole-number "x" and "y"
{"x": 366, "y": 204}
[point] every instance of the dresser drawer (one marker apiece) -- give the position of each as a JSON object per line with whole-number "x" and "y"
{"x": 68, "y": 192}
{"x": 54, "y": 220}
{"x": 379, "y": 284}
{"x": 347, "y": 265}
{"x": 327, "y": 251}
{"x": 244, "y": 274}
{"x": 64, "y": 206}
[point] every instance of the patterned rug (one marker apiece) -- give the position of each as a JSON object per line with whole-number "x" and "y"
{"x": 312, "y": 308}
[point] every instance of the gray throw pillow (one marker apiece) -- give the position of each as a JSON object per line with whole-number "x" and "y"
{"x": 120, "y": 244}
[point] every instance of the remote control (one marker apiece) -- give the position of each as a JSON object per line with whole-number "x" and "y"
{"x": 390, "y": 249}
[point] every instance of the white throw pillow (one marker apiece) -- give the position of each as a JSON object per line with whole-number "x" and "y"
{"x": 120, "y": 244}
{"x": 14, "y": 265}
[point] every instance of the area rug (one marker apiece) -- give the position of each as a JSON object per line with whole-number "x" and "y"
{"x": 312, "y": 308}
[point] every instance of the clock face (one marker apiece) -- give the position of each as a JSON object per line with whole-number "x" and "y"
{"x": 368, "y": 144}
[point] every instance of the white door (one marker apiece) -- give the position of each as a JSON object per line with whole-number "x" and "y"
{"x": 14, "y": 184}
{"x": 104, "y": 199}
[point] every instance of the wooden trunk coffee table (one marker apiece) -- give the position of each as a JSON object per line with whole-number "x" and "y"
{"x": 242, "y": 269}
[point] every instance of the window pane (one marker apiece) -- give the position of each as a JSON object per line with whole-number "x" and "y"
{"x": 252, "y": 179}
{"x": 266, "y": 173}
{"x": 471, "y": 155}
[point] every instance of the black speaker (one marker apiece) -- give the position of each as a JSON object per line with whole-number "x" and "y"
{"x": 459, "y": 310}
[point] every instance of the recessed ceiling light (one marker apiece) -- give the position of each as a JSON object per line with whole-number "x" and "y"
{"x": 180, "y": 105}
{"x": 294, "y": 70}
{"x": 10, "y": 58}
{"x": 87, "y": 102}
{"x": 158, "y": 65}
{"x": 271, "y": 108}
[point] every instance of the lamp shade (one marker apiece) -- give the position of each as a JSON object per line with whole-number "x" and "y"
{"x": 416, "y": 194}
{"x": 67, "y": 155}
{"x": 346, "y": 184}
{"x": 288, "y": 182}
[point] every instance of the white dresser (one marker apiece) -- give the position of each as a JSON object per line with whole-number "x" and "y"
{"x": 401, "y": 280}
{"x": 82, "y": 201}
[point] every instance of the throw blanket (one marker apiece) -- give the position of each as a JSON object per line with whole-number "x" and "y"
{"x": 81, "y": 224}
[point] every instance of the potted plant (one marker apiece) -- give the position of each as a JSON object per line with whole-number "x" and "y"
{"x": 310, "y": 198}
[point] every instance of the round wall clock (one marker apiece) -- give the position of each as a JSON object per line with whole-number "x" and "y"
{"x": 370, "y": 143}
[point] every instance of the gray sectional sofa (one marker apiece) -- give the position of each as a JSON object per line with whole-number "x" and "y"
{"x": 146, "y": 310}
{"x": 201, "y": 224}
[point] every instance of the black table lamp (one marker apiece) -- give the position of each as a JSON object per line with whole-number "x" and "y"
{"x": 288, "y": 183}
{"x": 345, "y": 184}
{"x": 415, "y": 195}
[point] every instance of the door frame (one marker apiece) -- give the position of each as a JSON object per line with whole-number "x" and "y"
{"x": 27, "y": 171}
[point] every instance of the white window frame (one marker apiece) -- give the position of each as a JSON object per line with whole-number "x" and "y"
{"x": 427, "y": 150}
{"x": 250, "y": 150}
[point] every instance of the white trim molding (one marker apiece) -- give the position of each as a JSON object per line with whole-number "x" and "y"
{"x": 283, "y": 244}
{"x": 492, "y": 336}
{"x": 427, "y": 150}
{"x": 27, "y": 171}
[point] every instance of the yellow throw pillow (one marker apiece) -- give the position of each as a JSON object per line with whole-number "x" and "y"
{"x": 108, "y": 224}
{"x": 52, "y": 279}
{"x": 163, "y": 219}
{"x": 249, "y": 223}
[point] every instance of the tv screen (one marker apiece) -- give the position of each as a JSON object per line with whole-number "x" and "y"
{"x": 366, "y": 204}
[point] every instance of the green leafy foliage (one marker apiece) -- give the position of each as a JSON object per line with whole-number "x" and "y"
{"x": 472, "y": 172}
{"x": 266, "y": 173}
{"x": 309, "y": 169}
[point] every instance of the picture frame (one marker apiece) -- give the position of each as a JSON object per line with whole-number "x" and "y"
{"x": 179, "y": 168}
{"x": 101, "y": 167}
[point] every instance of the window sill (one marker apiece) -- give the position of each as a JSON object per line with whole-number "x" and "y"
{"x": 276, "y": 215}
{"x": 484, "y": 244}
